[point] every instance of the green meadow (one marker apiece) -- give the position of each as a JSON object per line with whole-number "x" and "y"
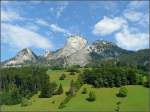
{"x": 137, "y": 99}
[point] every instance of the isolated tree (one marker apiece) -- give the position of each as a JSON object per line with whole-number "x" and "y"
{"x": 92, "y": 96}
{"x": 72, "y": 89}
{"x": 60, "y": 89}
{"x": 122, "y": 92}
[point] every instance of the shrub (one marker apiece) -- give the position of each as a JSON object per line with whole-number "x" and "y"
{"x": 62, "y": 77}
{"x": 122, "y": 92}
{"x": 92, "y": 96}
{"x": 25, "y": 102}
{"x": 84, "y": 91}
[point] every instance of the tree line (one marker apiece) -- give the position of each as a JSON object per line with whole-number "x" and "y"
{"x": 113, "y": 77}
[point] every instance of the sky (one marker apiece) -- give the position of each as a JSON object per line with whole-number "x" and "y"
{"x": 45, "y": 25}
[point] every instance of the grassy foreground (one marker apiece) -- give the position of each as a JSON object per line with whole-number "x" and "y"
{"x": 136, "y": 101}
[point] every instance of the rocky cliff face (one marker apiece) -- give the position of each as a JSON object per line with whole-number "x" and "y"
{"x": 73, "y": 45}
{"x": 74, "y": 52}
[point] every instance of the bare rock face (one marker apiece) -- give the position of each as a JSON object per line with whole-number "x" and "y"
{"x": 81, "y": 57}
{"x": 22, "y": 56}
{"x": 73, "y": 52}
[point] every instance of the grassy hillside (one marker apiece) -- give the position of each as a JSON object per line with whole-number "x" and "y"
{"x": 106, "y": 100}
{"x": 137, "y": 99}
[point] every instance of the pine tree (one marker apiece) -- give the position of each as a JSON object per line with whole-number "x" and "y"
{"x": 72, "y": 88}
{"x": 92, "y": 96}
{"x": 60, "y": 89}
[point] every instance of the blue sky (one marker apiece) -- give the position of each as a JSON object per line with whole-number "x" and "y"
{"x": 46, "y": 25}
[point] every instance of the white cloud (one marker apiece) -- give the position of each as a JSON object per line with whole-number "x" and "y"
{"x": 108, "y": 25}
{"x": 133, "y": 15}
{"x": 56, "y": 28}
{"x": 20, "y": 37}
{"x": 132, "y": 40}
{"x": 42, "y": 22}
{"x": 126, "y": 28}
{"x": 9, "y": 15}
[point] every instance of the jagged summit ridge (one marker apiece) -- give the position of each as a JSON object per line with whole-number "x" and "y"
{"x": 73, "y": 45}
{"x": 22, "y": 56}
{"x": 76, "y": 51}
{"x": 76, "y": 42}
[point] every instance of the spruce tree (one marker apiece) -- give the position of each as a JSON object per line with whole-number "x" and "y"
{"x": 72, "y": 88}
{"x": 92, "y": 96}
{"x": 60, "y": 89}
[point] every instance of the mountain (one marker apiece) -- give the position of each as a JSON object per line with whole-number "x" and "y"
{"x": 77, "y": 51}
{"x": 140, "y": 58}
{"x": 23, "y": 57}
{"x": 100, "y": 50}
{"x": 73, "y": 45}
{"x": 74, "y": 52}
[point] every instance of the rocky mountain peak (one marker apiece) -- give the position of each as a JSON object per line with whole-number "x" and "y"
{"x": 76, "y": 42}
{"x": 26, "y": 51}
{"x": 22, "y": 56}
{"x": 103, "y": 43}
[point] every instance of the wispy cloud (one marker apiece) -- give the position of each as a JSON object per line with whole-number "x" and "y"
{"x": 133, "y": 15}
{"x": 20, "y": 37}
{"x": 56, "y": 28}
{"x": 42, "y": 22}
{"x": 7, "y": 15}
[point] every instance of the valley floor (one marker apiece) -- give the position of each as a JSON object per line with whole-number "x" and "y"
{"x": 136, "y": 101}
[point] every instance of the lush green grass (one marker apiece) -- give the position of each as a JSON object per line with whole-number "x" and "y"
{"x": 137, "y": 99}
